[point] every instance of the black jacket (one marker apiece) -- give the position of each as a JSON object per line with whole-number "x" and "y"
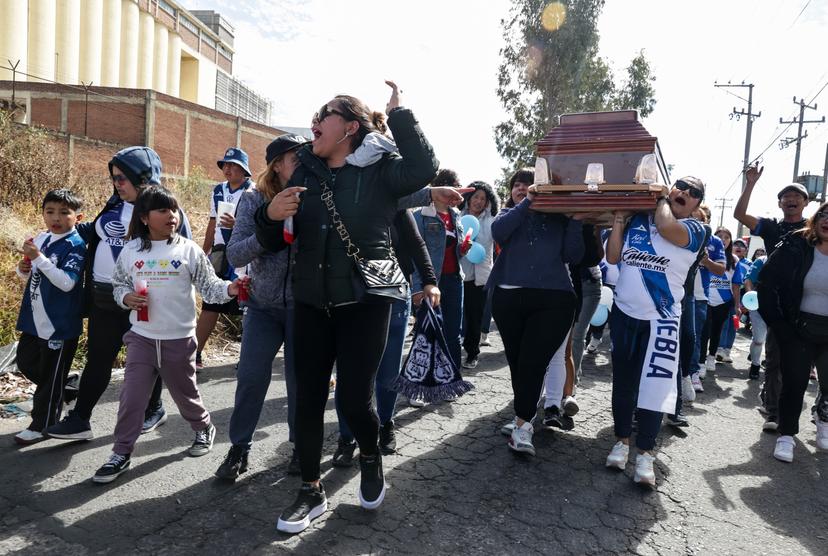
{"x": 366, "y": 199}
{"x": 780, "y": 282}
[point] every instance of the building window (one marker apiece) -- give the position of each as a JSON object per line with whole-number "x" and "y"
{"x": 166, "y": 7}
{"x": 236, "y": 98}
{"x": 187, "y": 24}
{"x": 208, "y": 41}
{"x": 224, "y": 52}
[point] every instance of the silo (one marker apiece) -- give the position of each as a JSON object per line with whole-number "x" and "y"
{"x": 91, "y": 34}
{"x": 129, "y": 44}
{"x": 13, "y": 37}
{"x": 174, "y": 66}
{"x": 146, "y": 42}
{"x": 42, "y": 39}
{"x": 159, "y": 69}
{"x": 67, "y": 41}
{"x": 111, "y": 43}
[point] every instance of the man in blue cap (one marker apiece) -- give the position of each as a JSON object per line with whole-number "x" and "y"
{"x": 226, "y": 196}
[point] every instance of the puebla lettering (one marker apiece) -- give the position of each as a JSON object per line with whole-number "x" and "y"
{"x": 666, "y": 346}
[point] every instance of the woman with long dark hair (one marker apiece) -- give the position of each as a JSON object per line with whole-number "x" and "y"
{"x": 342, "y": 203}
{"x": 793, "y": 300}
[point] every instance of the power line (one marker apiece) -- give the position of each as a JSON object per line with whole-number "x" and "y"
{"x": 805, "y": 7}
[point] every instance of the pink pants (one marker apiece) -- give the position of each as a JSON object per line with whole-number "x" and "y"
{"x": 174, "y": 360}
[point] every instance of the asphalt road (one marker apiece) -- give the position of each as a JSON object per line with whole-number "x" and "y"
{"x": 454, "y": 486}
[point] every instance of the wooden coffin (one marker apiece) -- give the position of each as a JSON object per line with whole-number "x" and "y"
{"x": 618, "y": 141}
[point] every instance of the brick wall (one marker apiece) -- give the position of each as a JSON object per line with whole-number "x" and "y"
{"x": 108, "y": 121}
{"x": 47, "y": 112}
{"x": 170, "y": 134}
{"x": 208, "y": 141}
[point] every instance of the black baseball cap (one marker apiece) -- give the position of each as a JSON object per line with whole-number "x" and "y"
{"x": 283, "y": 144}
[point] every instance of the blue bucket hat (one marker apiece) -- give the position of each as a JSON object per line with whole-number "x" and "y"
{"x": 236, "y": 156}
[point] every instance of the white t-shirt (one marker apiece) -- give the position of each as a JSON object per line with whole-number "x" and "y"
{"x": 112, "y": 228}
{"x": 222, "y": 192}
{"x": 815, "y": 286}
{"x": 653, "y": 270}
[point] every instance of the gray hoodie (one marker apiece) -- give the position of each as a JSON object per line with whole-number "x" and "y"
{"x": 269, "y": 272}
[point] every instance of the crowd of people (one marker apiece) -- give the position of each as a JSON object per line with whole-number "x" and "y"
{"x": 300, "y": 251}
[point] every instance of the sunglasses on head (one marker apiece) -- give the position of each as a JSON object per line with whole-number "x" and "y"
{"x": 693, "y": 191}
{"x": 326, "y": 111}
{"x": 120, "y": 178}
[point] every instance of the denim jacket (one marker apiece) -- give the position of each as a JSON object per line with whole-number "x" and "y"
{"x": 434, "y": 234}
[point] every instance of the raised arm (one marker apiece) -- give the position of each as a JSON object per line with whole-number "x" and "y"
{"x": 416, "y": 164}
{"x": 508, "y": 220}
{"x": 753, "y": 173}
{"x": 615, "y": 241}
{"x": 668, "y": 226}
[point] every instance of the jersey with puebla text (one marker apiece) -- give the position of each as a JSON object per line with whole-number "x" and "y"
{"x": 51, "y": 308}
{"x": 222, "y": 192}
{"x": 653, "y": 270}
{"x": 720, "y": 286}
{"x": 716, "y": 253}
{"x": 111, "y": 227}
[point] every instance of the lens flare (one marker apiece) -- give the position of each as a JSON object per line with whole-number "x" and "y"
{"x": 553, "y": 16}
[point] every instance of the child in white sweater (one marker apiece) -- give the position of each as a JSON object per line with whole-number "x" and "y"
{"x": 162, "y": 337}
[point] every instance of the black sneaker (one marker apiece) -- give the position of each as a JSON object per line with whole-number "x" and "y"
{"x": 754, "y": 372}
{"x": 372, "y": 482}
{"x": 203, "y": 442}
{"x": 678, "y": 420}
{"x": 234, "y": 464}
{"x": 154, "y": 419}
{"x": 552, "y": 417}
{"x": 110, "y": 471}
{"x": 72, "y": 427}
{"x": 387, "y": 439}
{"x": 309, "y": 504}
{"x": 344, "y": 454}
{"x": 771, "y": 424}
{"x": 293, "y": 467}
{"x": 70, "y": 389}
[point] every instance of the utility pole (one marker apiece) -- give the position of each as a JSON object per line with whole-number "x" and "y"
{"x": 799, "y": 136}
{"x": 825, "y": 176}
{"x": 723, "y": 206}
{"x": 86, "y": 108}
{"x": 750, "y": 118}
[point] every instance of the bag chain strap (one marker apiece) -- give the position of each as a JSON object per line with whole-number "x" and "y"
{"x": 350, "y": 247}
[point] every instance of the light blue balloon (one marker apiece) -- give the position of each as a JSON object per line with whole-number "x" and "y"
{"x": 600, "y": 316}
{"x": 751, "y": 301}
{"x": 470, "y": 222}
{"x": 476, "y": 253}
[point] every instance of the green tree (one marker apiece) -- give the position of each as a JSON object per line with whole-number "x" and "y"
{"x": 553, "y": 69}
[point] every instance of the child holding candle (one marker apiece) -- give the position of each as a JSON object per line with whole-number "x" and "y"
{"x": 165, "y": 342}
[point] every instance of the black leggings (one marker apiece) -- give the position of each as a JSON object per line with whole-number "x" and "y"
{"x": 104, "y": 341}
{"x": 712, "y": 332}
{"x": 354, "y": 336}
{"x": 532, "y": 323}
{"x": 474, "y": 301}
{"x": 799, "y": 355}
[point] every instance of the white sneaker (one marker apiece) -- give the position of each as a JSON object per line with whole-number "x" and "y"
{"x": 618, "y": 456}
{"x": 702, "y": 372}
{"x": 710, "y": 363}
{"x": 784, "y": 449}
{"x": 822, "y": 435}
{"x": 644, "y": 474}
{"x": 26, "y": 437}
{"x": 521, "y": 439}
{"x": 723, "y": 355}
{"x": 484, "y": 340}
{"x": 570, "y": 406}
{"x": 506, "y": 430}
{"x": 688, "y": 389}
{"x": 592, "y": 347}
{"x": 695, "y": 379}
{"x": 416, "y": 402}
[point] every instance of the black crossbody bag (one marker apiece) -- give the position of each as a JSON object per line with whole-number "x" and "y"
{"x": 375, "y": 280}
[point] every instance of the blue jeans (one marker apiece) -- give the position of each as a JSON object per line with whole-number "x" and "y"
{"x": 389, "y": 368}
{"x": 699, "y": 319}
{"x": 265, "y": 330}
{"x": 451, "y": 305}
{"x": 590, "y": 296}
{"x": 728, "y": 333}
{"x": 629, "y": 348}
{"x": 687, "y": 341}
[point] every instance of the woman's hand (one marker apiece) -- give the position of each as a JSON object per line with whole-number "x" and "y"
{"x": 394, "y": 101}
{"x": 432, "y": 293}
{"x": 451, "y": 196}
{"x": 285, "y": 203}
{"x": 135, "y": 301}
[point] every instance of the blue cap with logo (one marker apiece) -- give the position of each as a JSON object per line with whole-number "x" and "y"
{"x": 236, "y": 156}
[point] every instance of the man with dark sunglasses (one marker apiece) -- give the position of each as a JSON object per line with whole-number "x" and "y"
{"x": 793, "y": 198}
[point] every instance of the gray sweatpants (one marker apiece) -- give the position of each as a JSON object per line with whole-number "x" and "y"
{"x": 174, "y": 360}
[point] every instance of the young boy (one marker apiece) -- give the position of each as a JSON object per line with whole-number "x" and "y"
{"x": 50, "y": 314}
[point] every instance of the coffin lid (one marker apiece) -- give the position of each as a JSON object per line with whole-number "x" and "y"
{"x": 597, "y": 131}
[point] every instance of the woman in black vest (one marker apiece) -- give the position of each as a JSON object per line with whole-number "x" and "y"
{"x": 331, "y": 323}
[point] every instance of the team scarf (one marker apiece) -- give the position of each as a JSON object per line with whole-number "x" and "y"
{"x": 429, "y": 372}
{"x": 658, "y": 390}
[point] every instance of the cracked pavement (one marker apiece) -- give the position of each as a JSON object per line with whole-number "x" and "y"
{"x": 454, "y": 487}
